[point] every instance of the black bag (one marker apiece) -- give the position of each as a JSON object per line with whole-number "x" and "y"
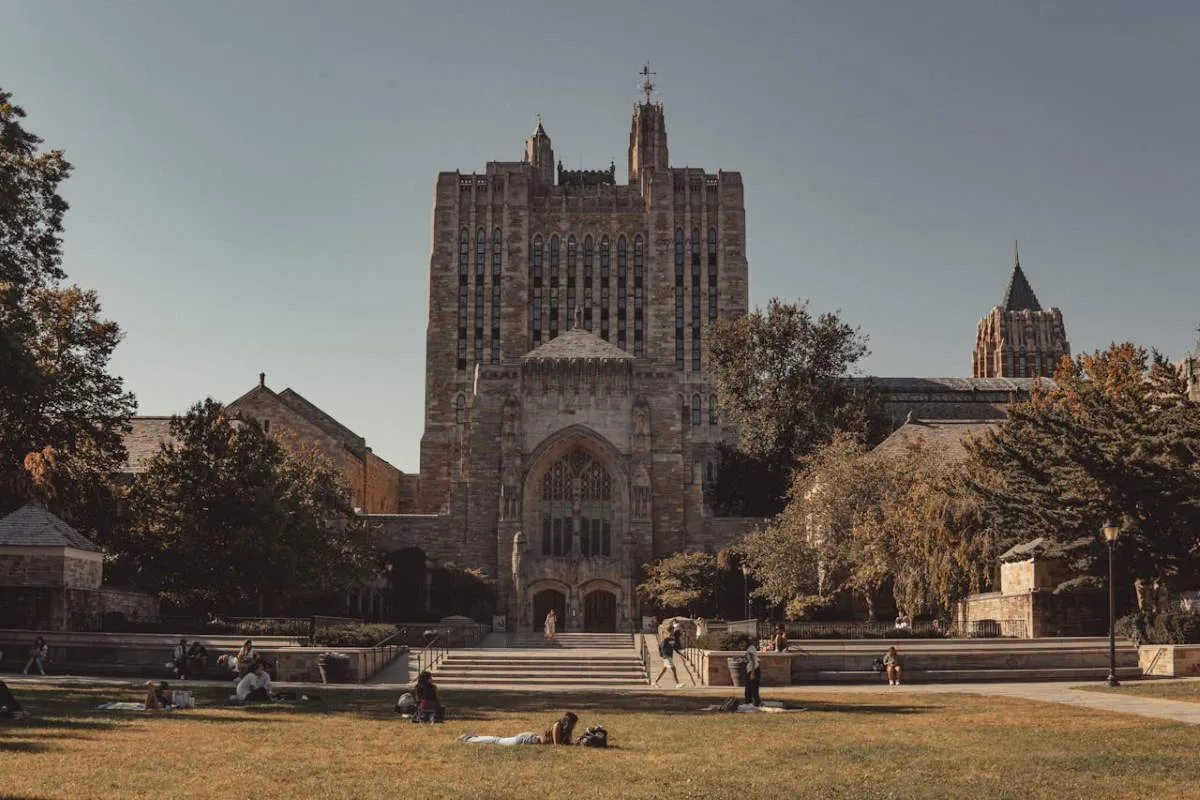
{"x": 877, "y": 665}
{"x": 731, "y": 704}
{"x": 594, "y": 737}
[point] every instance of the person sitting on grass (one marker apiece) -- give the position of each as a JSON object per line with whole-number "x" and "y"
{"x": 10, "y": 708}
{"x": 891, "y": 665}
{"x": 158, "y": 695}
{"x": 559, "y": 733}
{"x": 255, "y": 686}
{"x": 429, "y": 708}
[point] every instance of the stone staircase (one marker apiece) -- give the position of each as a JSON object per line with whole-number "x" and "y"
{"x": 526, "y": 660}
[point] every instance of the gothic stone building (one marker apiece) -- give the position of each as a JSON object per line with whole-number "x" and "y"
{"x": 569, "y": 423}
{"x": 1018, "y": 339}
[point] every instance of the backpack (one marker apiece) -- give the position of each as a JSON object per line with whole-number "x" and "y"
{"x": 731, "y": 704}
{"x": 666, "y": 648}
{"x": 594, "y": 737}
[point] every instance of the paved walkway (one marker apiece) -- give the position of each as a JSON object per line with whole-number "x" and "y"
{"x": 1069, "y": 694}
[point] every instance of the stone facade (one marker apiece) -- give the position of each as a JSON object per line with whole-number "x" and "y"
{"x": 1189, "y": 368}
{"x": 1018, "y": 339}
{"x": 569, "y": 425}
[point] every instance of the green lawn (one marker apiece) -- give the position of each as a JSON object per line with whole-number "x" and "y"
{"x": 1188, "y": 690}
{"x": 889, "y": 745}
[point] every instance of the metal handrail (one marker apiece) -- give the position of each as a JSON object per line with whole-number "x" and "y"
{"x": 433, "y": 652}
{"x": 644, "y": 652}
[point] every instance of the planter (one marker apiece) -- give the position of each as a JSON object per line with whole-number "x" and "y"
{"x": 737, "y": 671}
{"x": 1169, "y": 660}
{"x": 334, "y": 667}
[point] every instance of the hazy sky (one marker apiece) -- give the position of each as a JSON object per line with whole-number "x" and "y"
{"x": 253, "y": 181}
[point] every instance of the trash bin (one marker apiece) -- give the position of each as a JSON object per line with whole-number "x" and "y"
{"x": 334, "y": 667}
{"x": 737, "y": 670}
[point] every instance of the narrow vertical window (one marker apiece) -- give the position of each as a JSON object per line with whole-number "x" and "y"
{"x": 605, "y": 278}
{"x": 536, "y": 299}
{"x": 712, "y": 274}
{"x": 553, "y": 286}
{"x": 695, "y": 299}
{"x": 464, "y": 277}
{"x": 639, "y": 296}
{"x": 587, "y": 281}
{"x": 679, "y": 298}
{"x": 572, "y": 257}
{"x": 480, "y": 273}
{"x": 695, "y": 409}
{"x": 496, "y": 247}
{"x": 712, "y": 409}
{"x": 622, "y": 293}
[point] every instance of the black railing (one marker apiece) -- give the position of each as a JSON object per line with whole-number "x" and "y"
{"x": 644, "y": 654}
{"x": 434, "y": 651}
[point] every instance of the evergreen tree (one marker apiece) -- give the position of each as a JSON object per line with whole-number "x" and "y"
{"x": 1117, "y": 439}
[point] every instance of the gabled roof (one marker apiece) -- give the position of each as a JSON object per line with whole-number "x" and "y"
{"x": 301, "y": 405}
{"x": 577, "y": 343}
{"x": 1043, "y": 547}
{"x": 1018, "y": 295}
{"x": 34, "y": 526}
{"x": 143, "y": 440}
{"x": 946, "y": 438}
{"x": 924, "y": 385}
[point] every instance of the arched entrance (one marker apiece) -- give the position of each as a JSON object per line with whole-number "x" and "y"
{"x": 545, "y": 600}
{"x": 600, "y": 612}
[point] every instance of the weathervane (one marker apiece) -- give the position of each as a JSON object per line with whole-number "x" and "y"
{"x": 647, "y": 84}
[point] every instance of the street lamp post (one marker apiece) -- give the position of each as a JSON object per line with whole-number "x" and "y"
{"x": 1111, "y": 531}
{"x": 746, "y": 589}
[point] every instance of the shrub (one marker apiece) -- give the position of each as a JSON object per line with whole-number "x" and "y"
{"x": 364, "y": 635}
{"x": 722, "y": 640}
{"x": 1160, "y": 628}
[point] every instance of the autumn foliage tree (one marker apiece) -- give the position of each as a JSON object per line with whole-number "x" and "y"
{"x": 680, "y": 581}
{"x": 62, "y": 414}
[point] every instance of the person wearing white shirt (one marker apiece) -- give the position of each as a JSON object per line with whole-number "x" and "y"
{"x": 753, "y": 672}
{"x": 254, "y": 687}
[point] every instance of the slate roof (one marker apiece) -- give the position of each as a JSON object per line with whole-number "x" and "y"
{"x": 142, "y": 442}
{"x": 577, "y": 343}
{"x": 946, "y": 437}
{"x": 305, "y": 408}
{"x": 925, "y": 385}
{"x": 34, "y": 526}
{"x": 1042, "y": 546}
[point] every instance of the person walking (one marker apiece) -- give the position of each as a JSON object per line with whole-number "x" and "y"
{"x": 753, "y": 672}
{"x": 550, "y": 624}
{"x": 38, "y": 655}
{"x": 666, "y": 649}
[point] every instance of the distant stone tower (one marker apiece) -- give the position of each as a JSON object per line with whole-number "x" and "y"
{"x": 1019, "y": 339}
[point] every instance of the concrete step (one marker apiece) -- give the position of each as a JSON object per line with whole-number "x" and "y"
{"x": 631, "y": 682}
{"x": 566, "y": 641}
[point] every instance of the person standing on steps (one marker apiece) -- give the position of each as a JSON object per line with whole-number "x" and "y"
{"x": 551, "y": 624}
{"x": 666, "y": 649}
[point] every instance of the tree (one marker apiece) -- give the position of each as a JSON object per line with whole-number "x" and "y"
{"x": 1116, "y": 438}
{"x": 680, "y": 581}
{"x": 780, "y": 376}
{"x": 227, "y": 519}
{"x": 61, "y": 414}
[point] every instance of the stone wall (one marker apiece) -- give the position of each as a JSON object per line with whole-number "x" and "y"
{"x": 1041, "y": 613}
{"x": 50, "y": 566}
{"x": 134, "y": 606}
{"x": 382, "y": 495}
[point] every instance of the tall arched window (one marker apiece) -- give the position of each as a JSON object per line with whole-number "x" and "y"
{"x": 712, "y": 409}
{"x": 572, "y": 257}
{"x": 695, "y": 299}
{"x": 496, "y": 248}
{"x": 679, "y": 298}
{"x": 587, "y": 282}
{"x": 605, "y": 279}
{"x": 464, "y": 295}
{"x": 712, "y": 274}
{"x": 553, "y": 286}
{"x": 622, "y": 293}
{"x": 535, "y": 300}
{"x": 480, "y": 273}
{"x": 577, "y": 495}
{"x": 639, "y": 296}
{"x": 695, "y": 409}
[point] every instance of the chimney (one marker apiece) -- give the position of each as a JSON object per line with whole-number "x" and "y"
{"x": 262, "y": 380}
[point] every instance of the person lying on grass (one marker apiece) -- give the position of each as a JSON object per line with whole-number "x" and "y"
{"x": 559, "y": 733}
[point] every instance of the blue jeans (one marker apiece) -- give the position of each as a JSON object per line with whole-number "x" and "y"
{"x": 520, "y": 738}
{"x": 35, "y": 660}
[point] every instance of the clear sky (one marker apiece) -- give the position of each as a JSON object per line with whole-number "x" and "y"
{"x": 253, "y": 181}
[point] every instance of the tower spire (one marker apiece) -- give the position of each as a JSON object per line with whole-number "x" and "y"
{"x": 1018, "y": 295}
{"x": 647, "y": 84}
{"x": 1016, "y": 255}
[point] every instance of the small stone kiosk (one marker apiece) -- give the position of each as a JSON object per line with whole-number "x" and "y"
{"x": 50, "y": 576}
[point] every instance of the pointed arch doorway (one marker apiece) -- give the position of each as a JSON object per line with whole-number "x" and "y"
{"x": 600, "y": 612}
{"x": 545, "y": 600}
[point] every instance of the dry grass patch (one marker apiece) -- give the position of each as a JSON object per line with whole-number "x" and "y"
{"x": 352, "y": 745}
